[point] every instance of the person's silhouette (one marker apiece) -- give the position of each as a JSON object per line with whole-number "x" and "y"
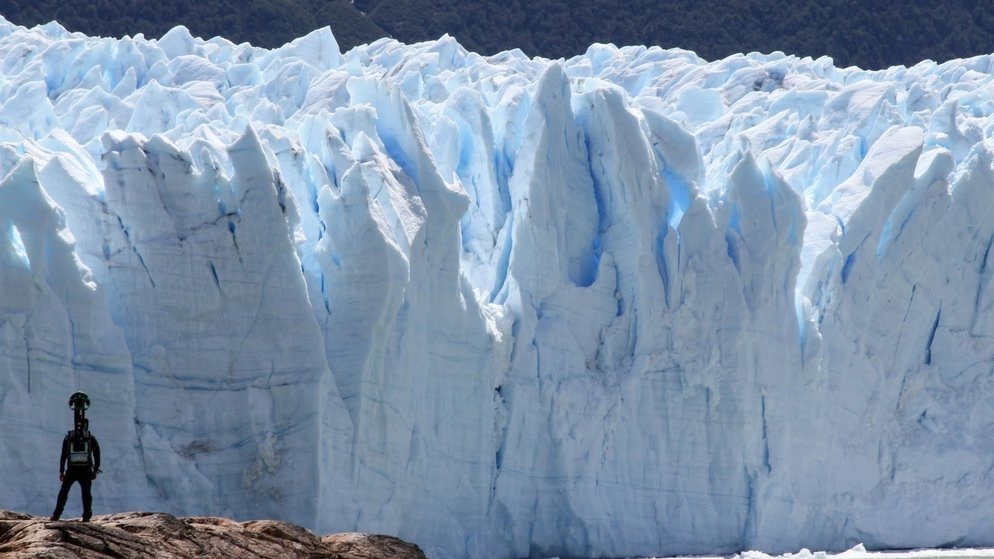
{"x": 80, "y": 460}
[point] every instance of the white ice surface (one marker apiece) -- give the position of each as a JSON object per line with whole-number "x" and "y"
{"x": 860, "y": 552}
{"x": 632, "y": 303}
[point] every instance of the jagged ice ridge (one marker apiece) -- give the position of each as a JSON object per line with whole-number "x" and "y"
{"x": 628, "y": 303}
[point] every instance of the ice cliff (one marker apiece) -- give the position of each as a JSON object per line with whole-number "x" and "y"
{"x": 625, "y": 304}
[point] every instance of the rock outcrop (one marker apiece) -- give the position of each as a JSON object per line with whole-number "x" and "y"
{"x": 153, "y": 535}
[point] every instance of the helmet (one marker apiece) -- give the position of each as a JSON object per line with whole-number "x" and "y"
{"x": 79, "y": 400}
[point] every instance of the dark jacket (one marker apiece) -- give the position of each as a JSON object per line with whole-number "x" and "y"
{"x": 94, "y": 451}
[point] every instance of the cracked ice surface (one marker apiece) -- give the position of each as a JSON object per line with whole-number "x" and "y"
{"x": 630, "y": 303}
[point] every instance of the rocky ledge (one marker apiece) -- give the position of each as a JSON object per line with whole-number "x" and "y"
{"x": 163, "y": 536}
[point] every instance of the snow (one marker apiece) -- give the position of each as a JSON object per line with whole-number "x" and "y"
{"x": 860, "y": 552}
{"x": 632, "y": 303}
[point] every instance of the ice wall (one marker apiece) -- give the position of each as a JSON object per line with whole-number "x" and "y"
{"x": 630, "y": 303}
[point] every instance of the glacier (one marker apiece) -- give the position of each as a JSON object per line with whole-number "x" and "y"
{"x": 631, "y": 303}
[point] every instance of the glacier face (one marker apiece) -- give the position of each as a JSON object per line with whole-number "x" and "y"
{"x": 629, "y": 303}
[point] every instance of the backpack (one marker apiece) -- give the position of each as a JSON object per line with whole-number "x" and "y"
{"x": 80, "y": 449}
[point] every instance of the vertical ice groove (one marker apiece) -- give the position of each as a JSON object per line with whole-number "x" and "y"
{"x": 217, "y": 281}
{"x": 931, "y": 337}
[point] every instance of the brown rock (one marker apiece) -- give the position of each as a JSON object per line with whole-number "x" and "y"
{"x": 370, "y": 546}
{"x": 141, "y": 535}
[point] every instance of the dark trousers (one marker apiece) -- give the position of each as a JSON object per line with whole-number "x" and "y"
{"x": 85, "y": 478}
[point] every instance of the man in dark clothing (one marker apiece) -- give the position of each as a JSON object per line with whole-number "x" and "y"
{"x": 80, "y": 462}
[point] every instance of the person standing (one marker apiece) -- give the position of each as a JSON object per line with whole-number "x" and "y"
{"x": 80, "y": 459}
